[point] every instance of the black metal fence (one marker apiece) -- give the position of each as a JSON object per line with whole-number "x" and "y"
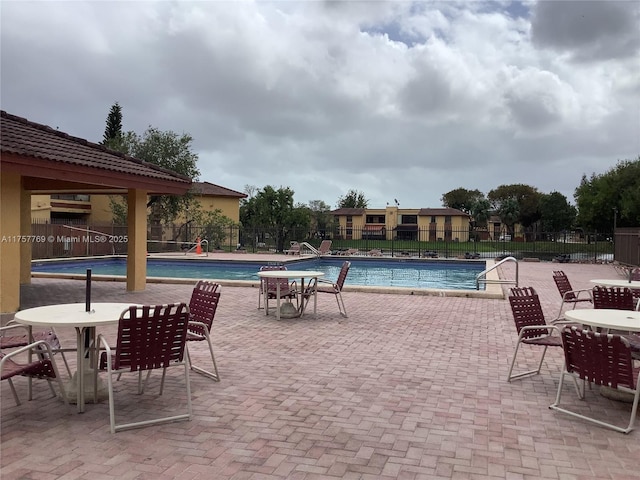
{"x": 67, "y": 240}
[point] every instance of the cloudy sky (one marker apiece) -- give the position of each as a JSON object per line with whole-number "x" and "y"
{"x": 398, "y": 100}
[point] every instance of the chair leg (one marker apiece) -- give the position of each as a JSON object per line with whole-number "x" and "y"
{"x": 634, "y": 408}
{"x": 13, "y": 390}
{"x": 341, "y": 306}
{"x": 211, "y": 374}
{"x": 112, "y": 410}
{"x": 524, "y": 374}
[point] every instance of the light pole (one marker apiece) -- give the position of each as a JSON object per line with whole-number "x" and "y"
{"x": 615, "y": 221}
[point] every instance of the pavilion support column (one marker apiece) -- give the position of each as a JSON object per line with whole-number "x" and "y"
{"x": 137, "y": 240}
{"x": 25, "y": 229}
{"x": 10, "y": 199}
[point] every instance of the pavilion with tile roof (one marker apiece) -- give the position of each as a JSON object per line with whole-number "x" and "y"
{"x": 39, "y": 159}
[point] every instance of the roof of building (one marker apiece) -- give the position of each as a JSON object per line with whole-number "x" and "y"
{"x": 349, "y": 211}
{"x": 443, "y": 211}
{"x": 207, "y": 188}
{"x": 28, "y": 144}
{"x": 422, "y": 211}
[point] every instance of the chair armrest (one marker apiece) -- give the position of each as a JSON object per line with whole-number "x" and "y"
{"x": 577, "y": 293}
{"x": 548, "y": 327}
{"x": 14, "y": 325}
{"x": 32, "y": 346}
{"x": 107, "y": 350}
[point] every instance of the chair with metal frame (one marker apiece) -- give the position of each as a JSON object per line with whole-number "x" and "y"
{"x": 327, "y": 286}
{"x": 40, "y": 364}
{"x": 599, "y": 359}
{"x": 531, "y": 326}
{"x": 202, "y": 310}
{"x": 568, "y": 294}
{"x": 149, "y": 337}
{"x": 616, "y": 298}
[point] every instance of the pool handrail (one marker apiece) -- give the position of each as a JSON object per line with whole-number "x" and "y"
{"x": 204, "y": 243}
{"x": 308, "y": 246}
{"x": 482, "y": 276}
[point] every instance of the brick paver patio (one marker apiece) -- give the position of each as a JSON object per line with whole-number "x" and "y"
{"x": 408, "y": 387}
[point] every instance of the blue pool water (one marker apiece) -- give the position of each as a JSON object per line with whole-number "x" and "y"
{"x": 455, "y": 275}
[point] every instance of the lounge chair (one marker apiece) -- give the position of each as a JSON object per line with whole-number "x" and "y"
{"x": 325, "y": 247}
{"x": 294, "y": 249}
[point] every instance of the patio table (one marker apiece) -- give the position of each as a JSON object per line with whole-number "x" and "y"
{"x": 311, "y": 275}
{"x": 626, "y": 320}
{"x": 75, "y": 315}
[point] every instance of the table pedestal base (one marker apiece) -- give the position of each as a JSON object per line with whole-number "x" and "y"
{"x": 287, "y": 310}
{"x": 71, "y": 389}
{"x": 614, "y": 394}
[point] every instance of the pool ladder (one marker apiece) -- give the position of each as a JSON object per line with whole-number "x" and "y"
{"x": 482, "y": 276}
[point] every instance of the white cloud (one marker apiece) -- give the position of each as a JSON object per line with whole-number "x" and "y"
{"x": 395, "y": 99}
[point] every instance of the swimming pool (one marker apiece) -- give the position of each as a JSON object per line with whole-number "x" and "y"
{"x": 421, "y": 274}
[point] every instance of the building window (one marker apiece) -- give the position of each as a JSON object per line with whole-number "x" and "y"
{"x": 375, "y": 219}
{"x": 447, "y": 219}
{"x": 75, "y": 198}
{"x": 433, "y": 219}
{"x": 409, "y": 219}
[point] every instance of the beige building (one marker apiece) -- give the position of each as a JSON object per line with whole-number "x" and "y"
{"x": 96, "y": 210}
{"x": 393, "y": 223}
{"x": 211, "y": 197}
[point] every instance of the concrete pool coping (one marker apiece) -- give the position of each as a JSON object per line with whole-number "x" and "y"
{"x": 492, "y": 290}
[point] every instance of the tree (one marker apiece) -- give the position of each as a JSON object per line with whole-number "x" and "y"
{"x": 353, "y": 199}
{"x": 480, "y": 214}
{"x": 167, "y": 150}
{"x": 275, "y": 213}
{"x": 509, "y": 212}
{"x": 614, "y": 195}
{"x": 527, "y": 198}
{"x": 113, "y": 131}
{"x": 462, "y": 199}
{"x": 556, "y": 214}
{"x": 321, "y": 219}
{"x": 250, "y": 190}
{"x": 215, "y": 225}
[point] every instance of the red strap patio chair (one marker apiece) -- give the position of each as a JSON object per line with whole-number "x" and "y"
{"x": 202, "y": 310}
{"x": 568, "y": 294}
{"x": 39, "y": 364}
{"x": 617, "y": 298}
{"x": 333, "y": 288}
{"x": 600, "y": 360}
{"x": 531, "y": 326}
{"x": 149, "y": 337}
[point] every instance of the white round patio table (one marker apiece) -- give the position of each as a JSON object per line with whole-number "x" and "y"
{"x": 293, "y": 275}
{"x": 75, "y": 315}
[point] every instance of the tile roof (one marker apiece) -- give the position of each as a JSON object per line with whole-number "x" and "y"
{"x": 349, "y": 211}
{"x": 22, "y": 137}
{"x": 443, "y": 211}
{"x": 207, "y": 188}
{"x": 422, "y": 211}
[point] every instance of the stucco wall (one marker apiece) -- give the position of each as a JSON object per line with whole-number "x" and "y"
{"x": 9, "y": 242}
